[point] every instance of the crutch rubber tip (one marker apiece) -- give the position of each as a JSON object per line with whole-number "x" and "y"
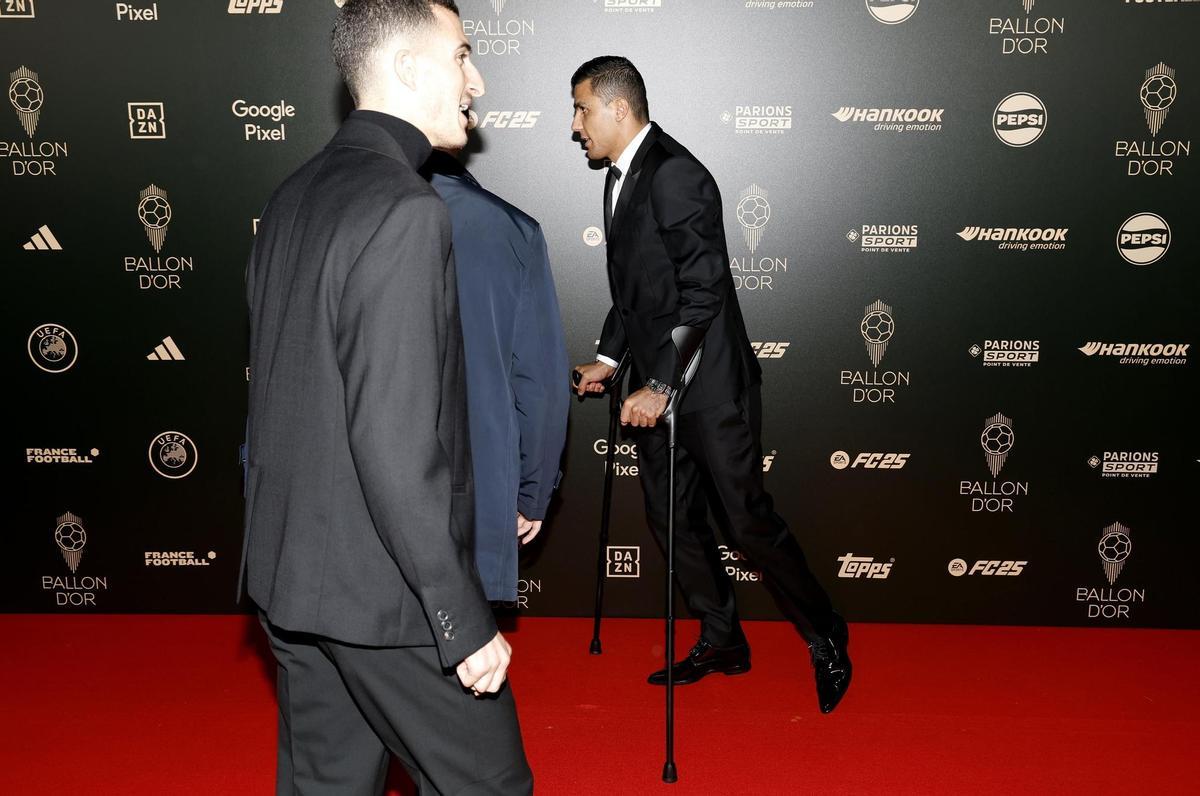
{"x": 594, "y": 648}
{"x": 669, "y": 773}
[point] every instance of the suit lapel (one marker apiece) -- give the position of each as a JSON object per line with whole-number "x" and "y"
{"x": 631, "y": 179}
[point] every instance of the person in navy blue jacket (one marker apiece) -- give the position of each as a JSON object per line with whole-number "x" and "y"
{"x": 516, "y": 359}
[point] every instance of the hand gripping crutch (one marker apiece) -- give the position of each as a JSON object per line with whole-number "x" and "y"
{"x": 689, "y": 344}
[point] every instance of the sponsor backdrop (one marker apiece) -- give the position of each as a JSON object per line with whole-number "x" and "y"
{"x": 964, "y": 235}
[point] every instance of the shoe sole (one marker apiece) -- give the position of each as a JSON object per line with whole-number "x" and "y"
{"x": 736, "y": 670}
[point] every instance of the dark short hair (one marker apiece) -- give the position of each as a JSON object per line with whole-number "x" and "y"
{"x": 363, "y": 26}
{"x": 615, "y": 76}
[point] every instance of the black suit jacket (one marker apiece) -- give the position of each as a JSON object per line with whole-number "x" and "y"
{"x": 668, "y": 266}
{"x": 359, "y": 504}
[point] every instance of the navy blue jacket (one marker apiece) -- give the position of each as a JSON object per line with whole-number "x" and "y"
{"x": 516, "y": 363}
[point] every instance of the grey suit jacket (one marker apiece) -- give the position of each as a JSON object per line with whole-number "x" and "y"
{"x": 359, "y": 495}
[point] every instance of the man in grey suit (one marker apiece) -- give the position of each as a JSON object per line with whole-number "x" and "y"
{"x": 358, "y": 546}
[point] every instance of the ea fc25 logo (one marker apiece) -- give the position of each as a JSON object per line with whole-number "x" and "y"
{"x": 840, "y": 460}
{"x": 958, "y": 567}
{"x": 173, "y": 455}
{"x": 1143, "y": 239}
{"x": 147, "y": 120}
{"x": 53, "y": 348}
{"x": 1019, "y": 119}
{"x": 892, "y": 12}
{"x": 623, "y": 561}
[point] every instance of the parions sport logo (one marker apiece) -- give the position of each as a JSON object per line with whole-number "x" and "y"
{"x": 1143, "y": 238}
{"x": 1019, "y": 119}
{"x": 1007, "y": 353}
{"x": 759, "y": 119}
{"x": 884, "y": 238}
{"x": 1125, "y": 464}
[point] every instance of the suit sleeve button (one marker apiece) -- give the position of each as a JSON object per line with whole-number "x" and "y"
{"x": 448, "y": 635}
{"x": 442, "y": 616}
{"x": 447, "y": 626}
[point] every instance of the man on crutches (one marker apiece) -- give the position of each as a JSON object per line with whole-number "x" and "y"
{"x": 668, "y": 268}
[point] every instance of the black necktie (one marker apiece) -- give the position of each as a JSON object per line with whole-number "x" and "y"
{"x": 610, "y": 181}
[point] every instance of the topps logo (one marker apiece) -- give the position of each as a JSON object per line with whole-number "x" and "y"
{"x": 255, "y": 6}
{"x": 769, "y": 350}
{"x": 522, "y": 120}
{"x": 864, "y": 567}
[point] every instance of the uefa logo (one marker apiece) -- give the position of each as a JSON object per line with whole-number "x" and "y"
{"x": 52, "y": 347}
{"x": 173, "y": 455}
{"x": 1143, "y": 239}
{"x": 892, "y": 12}
{"x": 1019, "y": 119}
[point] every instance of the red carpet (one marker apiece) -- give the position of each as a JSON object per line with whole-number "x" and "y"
{"x": 184, "y": 705}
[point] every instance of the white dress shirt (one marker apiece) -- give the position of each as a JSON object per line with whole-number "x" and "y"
{"x": 623, "y": 162}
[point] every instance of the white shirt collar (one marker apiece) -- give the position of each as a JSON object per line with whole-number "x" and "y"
{"x": 626, "y": 158}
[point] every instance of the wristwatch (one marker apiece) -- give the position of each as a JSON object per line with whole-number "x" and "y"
{"x": 660, "y": 387}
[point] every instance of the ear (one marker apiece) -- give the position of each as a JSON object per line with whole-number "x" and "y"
{"x": 404, "y": 64}
{"x": 620, "y": 108}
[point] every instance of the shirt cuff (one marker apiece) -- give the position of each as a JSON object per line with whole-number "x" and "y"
{"x": 612, "y": 363}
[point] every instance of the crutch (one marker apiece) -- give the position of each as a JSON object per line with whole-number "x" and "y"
{"x": 689, "y": 344}
{"x": 612, "y": 385}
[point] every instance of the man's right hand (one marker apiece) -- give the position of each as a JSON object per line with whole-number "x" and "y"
{"x": 592, "y": 376}
{"x": 484, "y": 670}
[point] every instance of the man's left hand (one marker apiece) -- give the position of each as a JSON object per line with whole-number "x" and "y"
{"x": 643, "y": 408}
{"x": 527, "y": 529}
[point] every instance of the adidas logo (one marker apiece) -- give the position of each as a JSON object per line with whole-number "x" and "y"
{"x": 43, "y": 240}
{"x": 166, "y": 351}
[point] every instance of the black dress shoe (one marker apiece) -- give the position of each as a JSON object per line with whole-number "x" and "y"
{"x": 831, "y": 664}
{"x": 706, "y": 659}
